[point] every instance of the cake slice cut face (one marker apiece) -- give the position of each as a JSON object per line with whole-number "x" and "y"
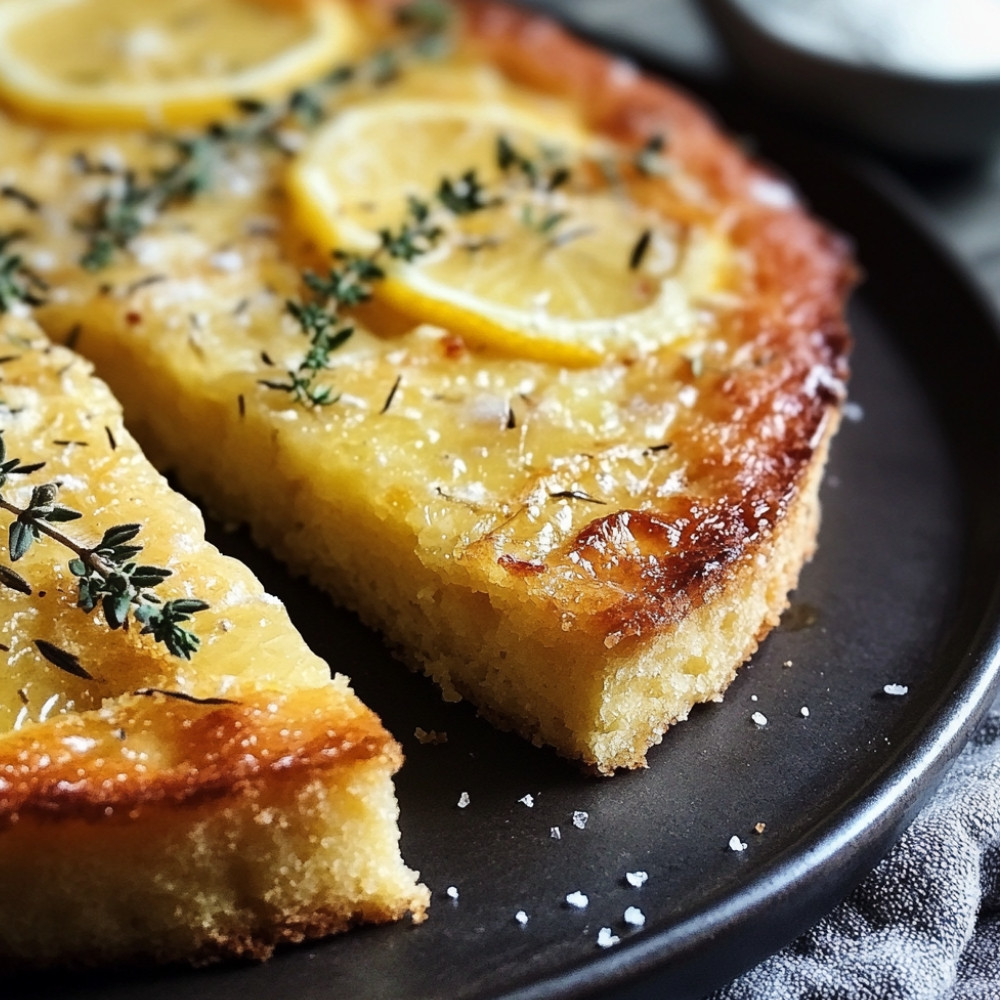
{"x": 550, "y": 410}
{"x": 209, "y": 796}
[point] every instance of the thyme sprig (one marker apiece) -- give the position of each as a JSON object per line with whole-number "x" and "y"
{"x": 18, "y": 283}
{"x": 546, "y": 172}
{"x": 350, "y": 281}
{"x": 107, "y": 573}
{"x": 130, "y": 204}
{"x": 542, "y": 176}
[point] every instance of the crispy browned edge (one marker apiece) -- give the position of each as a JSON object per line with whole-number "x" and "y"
{"x": 228, "y": 746}
{"x": 229, "y": 750}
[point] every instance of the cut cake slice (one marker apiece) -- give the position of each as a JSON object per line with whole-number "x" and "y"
{"x": 154, "y": 807}
{"x": 583, "y": 552}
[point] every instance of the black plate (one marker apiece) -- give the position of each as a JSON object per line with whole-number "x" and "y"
{"x": 903, "y": 591}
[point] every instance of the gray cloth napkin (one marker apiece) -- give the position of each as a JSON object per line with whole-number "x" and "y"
{"x": 925, "y": 925}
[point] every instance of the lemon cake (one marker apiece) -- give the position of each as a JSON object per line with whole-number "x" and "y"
{"x": 180, "y": 779}
{"x": 500, "y": 342}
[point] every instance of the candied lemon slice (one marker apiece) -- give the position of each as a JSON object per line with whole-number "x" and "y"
{"x": 554, "y": 261}
{"x": 172, "y": 62}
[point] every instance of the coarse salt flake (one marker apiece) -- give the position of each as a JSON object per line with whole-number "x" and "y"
{"x": 555, "y": 833}
{"x": 605, "y": 939}
{"x": 521, "y": 917}
{"x": 577, "y": 900}
{"x": 804, "y": 711}
{"x": 636, "y": 879}
{"x": 687, "y": 395}
{"x": 634, "y": 917}
{"x": 735, "y": 844}
{"x": 528, "y": 800}
{"x": 897, "y": 690}
{"x": 580, "y": 819}
{"x": 452, "y": 892}
{"x": 852, "y": 411}
{"x": 463, "y": 800}
{"x": 772, "y": 192}
{"x": 227, "y": 261}
{"x": 759, "y": 718}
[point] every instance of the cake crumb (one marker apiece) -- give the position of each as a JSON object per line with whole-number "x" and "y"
{"x": 521, "y": 917}
{"x": 759, "y": 827}
{"x": 452, "y": 892}
{"x": 463, "y": 800}
{"x": 555, "y": 833}
{"x": 634, "y": 917}
{"x": 528, "y": 800}
{"x": 577, "y": 900}
{"x": 605, "y": 939}
{"x": 897, "y": 690}
{"x": 759, "y": 718}
{"x": 580, "y": 819}
{"x": 636, "y": 879}
{"x": 735, "y": 844}
{"x": 429, "y": 736}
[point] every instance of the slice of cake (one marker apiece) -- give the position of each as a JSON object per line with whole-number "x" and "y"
{"x": 503, "y": 344}
{"x": 180, "y": 778}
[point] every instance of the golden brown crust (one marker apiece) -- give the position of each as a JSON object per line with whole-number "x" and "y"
{"x": 87, "y": 766}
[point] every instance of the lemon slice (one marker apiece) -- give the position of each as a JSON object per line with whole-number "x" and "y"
{"x": 566, "y": 275}
{"x": 169, "y": 62}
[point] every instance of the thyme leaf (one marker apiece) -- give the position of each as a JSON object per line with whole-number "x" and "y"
{"x": 67, "y": 662}
{"x": 18, "y": 283}
{"x": 14, "y": 581}
{"x": 108, "y": 574}
{"x": 576, "y": 495}
{"x": 183, "y": 696}
{"x": 464, "y": 196}
{"x": 649, "y": 160}
{"x": 639, "y": 250}
{"x": 425, "y": 16}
